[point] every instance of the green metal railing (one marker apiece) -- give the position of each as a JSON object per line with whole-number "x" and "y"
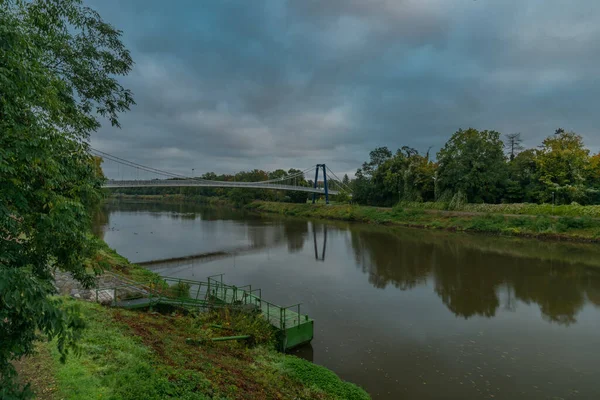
{"x": 280, "y": 317}
{"x": 213, "y": 293}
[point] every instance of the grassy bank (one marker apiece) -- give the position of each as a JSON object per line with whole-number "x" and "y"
{"x": 150, "y": 355}
{"x": 572, "y": 210}
{"x": 141, "y": 355}
{"x": 541, "y": 226}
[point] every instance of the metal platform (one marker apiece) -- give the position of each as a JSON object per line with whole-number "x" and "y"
{"x": 293, "y": 328}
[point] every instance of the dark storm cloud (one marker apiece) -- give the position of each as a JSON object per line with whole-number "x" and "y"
{"x": 229, "y": 85}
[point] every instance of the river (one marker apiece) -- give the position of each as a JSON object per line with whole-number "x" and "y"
{"x": 404, "y": 313}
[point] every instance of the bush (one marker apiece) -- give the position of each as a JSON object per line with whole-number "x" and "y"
{"x": 489, "y": 223}
{"x": 180, "y": 290}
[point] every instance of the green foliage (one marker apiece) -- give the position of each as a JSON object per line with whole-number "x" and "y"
{"x": 238, "y": 322}
{"x": 57, "y": 62}
{"x": 133, "y": 355}
{"x": 114, "y": 364}
{"x": 476, "y": 218}
{"x": 473, "y": 162}
{"x": 488, "y": 223}
{"x": 572, "y": 210}
{"x": 180, "y": 290}
{"x": 387, "y": 179}
{"x": 323, "y": 379}
{"x": 472, "y": 168}
{"x": 458, "y": 201}
{"x": 562, "y": 163}
{"x": 240, "y": 197}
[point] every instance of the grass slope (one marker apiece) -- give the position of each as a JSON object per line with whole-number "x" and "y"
{"x": 541, "y": 226}
{"x": 141, "y": 355}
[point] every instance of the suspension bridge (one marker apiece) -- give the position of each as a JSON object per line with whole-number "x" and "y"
{"x": 330, "y": 184}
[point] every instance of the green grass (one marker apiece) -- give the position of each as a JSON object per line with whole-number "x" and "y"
{"x": 322, "y": 379}
{"x": 573, "y": 210}
{"x": 584, "y": 228}
{"x": 116, "y": 365}
{"x": 107, "y": 259}
{"x": 141, "y": 355}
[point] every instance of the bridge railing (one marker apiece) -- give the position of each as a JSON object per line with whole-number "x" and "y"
{"x": 196, "y": 183}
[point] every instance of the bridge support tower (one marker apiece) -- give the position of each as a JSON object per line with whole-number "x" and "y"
{"x": 314, "y": 199}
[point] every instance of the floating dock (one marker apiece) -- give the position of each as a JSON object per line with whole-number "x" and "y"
{"x": 293, "y": 328}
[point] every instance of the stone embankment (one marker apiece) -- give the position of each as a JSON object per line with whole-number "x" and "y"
{"x": 100, "y": 292}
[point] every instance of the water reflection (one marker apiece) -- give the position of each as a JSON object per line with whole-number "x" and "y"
{"x": 324, "y": 239}
{"x": 472, "y": 276}
{"x": 469, "y": 281}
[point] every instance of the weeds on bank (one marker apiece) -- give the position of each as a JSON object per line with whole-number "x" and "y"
{"x": 570, "y": 227}
{"x": 137, "y": 354}
{"x": 571, "y": 210}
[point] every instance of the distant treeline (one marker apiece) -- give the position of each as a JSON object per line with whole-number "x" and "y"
{"x": 480, "y": 167}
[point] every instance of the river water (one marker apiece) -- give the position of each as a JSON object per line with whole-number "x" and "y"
{"x": 404, "y": 313}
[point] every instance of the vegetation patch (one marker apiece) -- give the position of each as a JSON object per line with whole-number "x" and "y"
{"x": 322, "y": 379}
{"x": 124, "y": 354}
{"x": 540, "y": 226}
{"x": 571, "y": 210}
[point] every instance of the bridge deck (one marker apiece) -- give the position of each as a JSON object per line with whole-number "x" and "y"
{"x": 111, "y": 184}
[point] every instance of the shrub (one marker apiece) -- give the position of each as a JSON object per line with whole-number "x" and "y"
{"x": 180, "y": 290}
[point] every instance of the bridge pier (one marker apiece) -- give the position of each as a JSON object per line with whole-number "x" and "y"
{"x": 314, "y": 199}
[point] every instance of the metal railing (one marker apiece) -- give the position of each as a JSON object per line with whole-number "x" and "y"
{"x": 213, "y": 293}
{"x": 280, "y": 317}
{"x": 190, "y": 182}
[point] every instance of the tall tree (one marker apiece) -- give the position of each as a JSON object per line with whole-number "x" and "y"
{"x": 472, "y": 164}
{"x": 522, "y": 184}
{"x": 563, "y": 162}
{"x": 58, "y": 62}
{"x": 513, "y": 144}
{"x": 346, "y": 180}
{"x": 376, "y": 158}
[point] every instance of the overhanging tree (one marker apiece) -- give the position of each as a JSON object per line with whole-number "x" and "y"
{"x": 58, "y": 62}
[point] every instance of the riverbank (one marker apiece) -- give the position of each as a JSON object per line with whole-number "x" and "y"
{"x": 562, "y": 228}
{"x": 141, "y": 354}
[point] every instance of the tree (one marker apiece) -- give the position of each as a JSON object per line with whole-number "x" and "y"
{"x": 300, "y": 180}
{"x": 364, "y": 191}
{"x": 513, "y": 144}
{"x": 57, "y": 65}
{"x": 346, "y": 180}
{"x": 522, "y": 185}
{"x": 377, "y": 157}
{"x": 472, "y": 164}
{"x": 593, "y": 179}
{"x": 594, "y": 171}
{"x": 563, "y": 162}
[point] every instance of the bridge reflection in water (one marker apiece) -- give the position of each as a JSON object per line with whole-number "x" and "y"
{"x": 322, "y": 257}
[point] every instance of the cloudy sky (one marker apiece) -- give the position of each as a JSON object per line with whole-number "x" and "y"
{"x": 234, "y": 85}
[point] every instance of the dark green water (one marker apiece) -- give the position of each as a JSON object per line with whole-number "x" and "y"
{"x": 405, "y": 313}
